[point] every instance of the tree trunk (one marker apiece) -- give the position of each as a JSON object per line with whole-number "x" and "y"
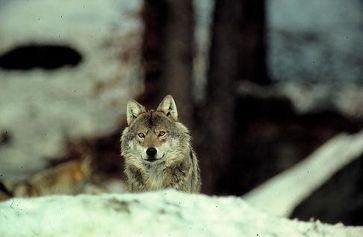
{"x": 154, "y": 15}
{"x": 237, "y": 53}
{"x": 252, "y": 43}
{"x": 177, "y": 56}
{"x": 168, "y": 53}
{"x": 222, "y": 76}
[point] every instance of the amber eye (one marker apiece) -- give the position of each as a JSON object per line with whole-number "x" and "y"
{"x": 162, "y": 133}
{"x": 141, "y": 135}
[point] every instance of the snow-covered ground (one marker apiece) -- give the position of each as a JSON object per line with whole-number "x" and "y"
{"x": 166, "y": 213}
{"x": 280, "y": 195}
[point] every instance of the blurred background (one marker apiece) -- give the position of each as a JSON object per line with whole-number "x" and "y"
{"x": 261, "y": 85}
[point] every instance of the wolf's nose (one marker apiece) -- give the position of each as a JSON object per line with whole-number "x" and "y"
{"x": 151, "y": 152}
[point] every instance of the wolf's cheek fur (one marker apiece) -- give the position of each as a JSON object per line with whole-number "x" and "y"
{"x": 134, "y": 150}
{"x": 164, "y": 148}
{"x": 170, "y": 149}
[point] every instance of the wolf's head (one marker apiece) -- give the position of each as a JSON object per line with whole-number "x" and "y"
{"x": 155, "y": 136}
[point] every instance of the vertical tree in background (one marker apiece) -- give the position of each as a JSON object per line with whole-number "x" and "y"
{"x": 237, "y": 53}
{"x": 177, "y": 56}
{"x": 153, "y": 15}
{"x": 252, "y": 43}
{"x": 168, "y": 51}
{"x": 222, "y": 77}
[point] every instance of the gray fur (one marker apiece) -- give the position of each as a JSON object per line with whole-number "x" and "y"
{"x": 176, "y": 164}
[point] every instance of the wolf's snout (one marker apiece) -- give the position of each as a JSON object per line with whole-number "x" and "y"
{"x": 151, "y": 152}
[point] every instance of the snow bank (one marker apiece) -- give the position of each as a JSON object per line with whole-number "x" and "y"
{"x": 166, "y": 213}
{"x": 314, "y": 171}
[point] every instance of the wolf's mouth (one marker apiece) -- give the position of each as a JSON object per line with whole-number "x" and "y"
{"x": 153, "y": 159}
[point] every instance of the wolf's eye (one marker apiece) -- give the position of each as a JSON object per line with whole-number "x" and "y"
{"x": 141, "y": 135}
{"x": 162, "y": 133}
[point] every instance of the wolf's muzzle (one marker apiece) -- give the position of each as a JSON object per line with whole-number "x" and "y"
{"x": 151, "y": 153}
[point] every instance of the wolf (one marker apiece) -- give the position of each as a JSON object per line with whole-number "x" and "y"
{"x": 157, "y": 150}
{"x": 71, "y": 177}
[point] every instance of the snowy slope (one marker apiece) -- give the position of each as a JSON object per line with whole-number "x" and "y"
{"x": 167, "y": 213}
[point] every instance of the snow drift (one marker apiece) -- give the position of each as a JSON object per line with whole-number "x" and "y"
{"x": 166, "y": 213}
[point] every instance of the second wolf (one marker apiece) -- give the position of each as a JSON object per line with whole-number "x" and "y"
{"x": 157, "y": 150}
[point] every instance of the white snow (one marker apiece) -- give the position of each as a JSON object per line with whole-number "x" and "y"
{"x": 166, "y": 213}
{"x": 282, "y": 193}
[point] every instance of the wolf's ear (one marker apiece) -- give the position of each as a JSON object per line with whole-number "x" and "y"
{"x": 168, "y": 107}
{"x": 134, "y": 109}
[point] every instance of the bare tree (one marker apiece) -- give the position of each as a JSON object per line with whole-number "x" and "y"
{"x": 170, "y": 24}
{"x": 177, "y": 58}
{"x": 237, "y": 53}
{"x": 222, "y": 75}
{"x": 253, "y": 43}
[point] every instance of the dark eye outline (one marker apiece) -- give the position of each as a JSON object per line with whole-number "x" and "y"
{"x": 161, "y": 133}
{"x": 141, "y": 135}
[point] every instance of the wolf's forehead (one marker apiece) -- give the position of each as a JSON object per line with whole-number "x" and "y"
{"x": 152, "y": 120}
